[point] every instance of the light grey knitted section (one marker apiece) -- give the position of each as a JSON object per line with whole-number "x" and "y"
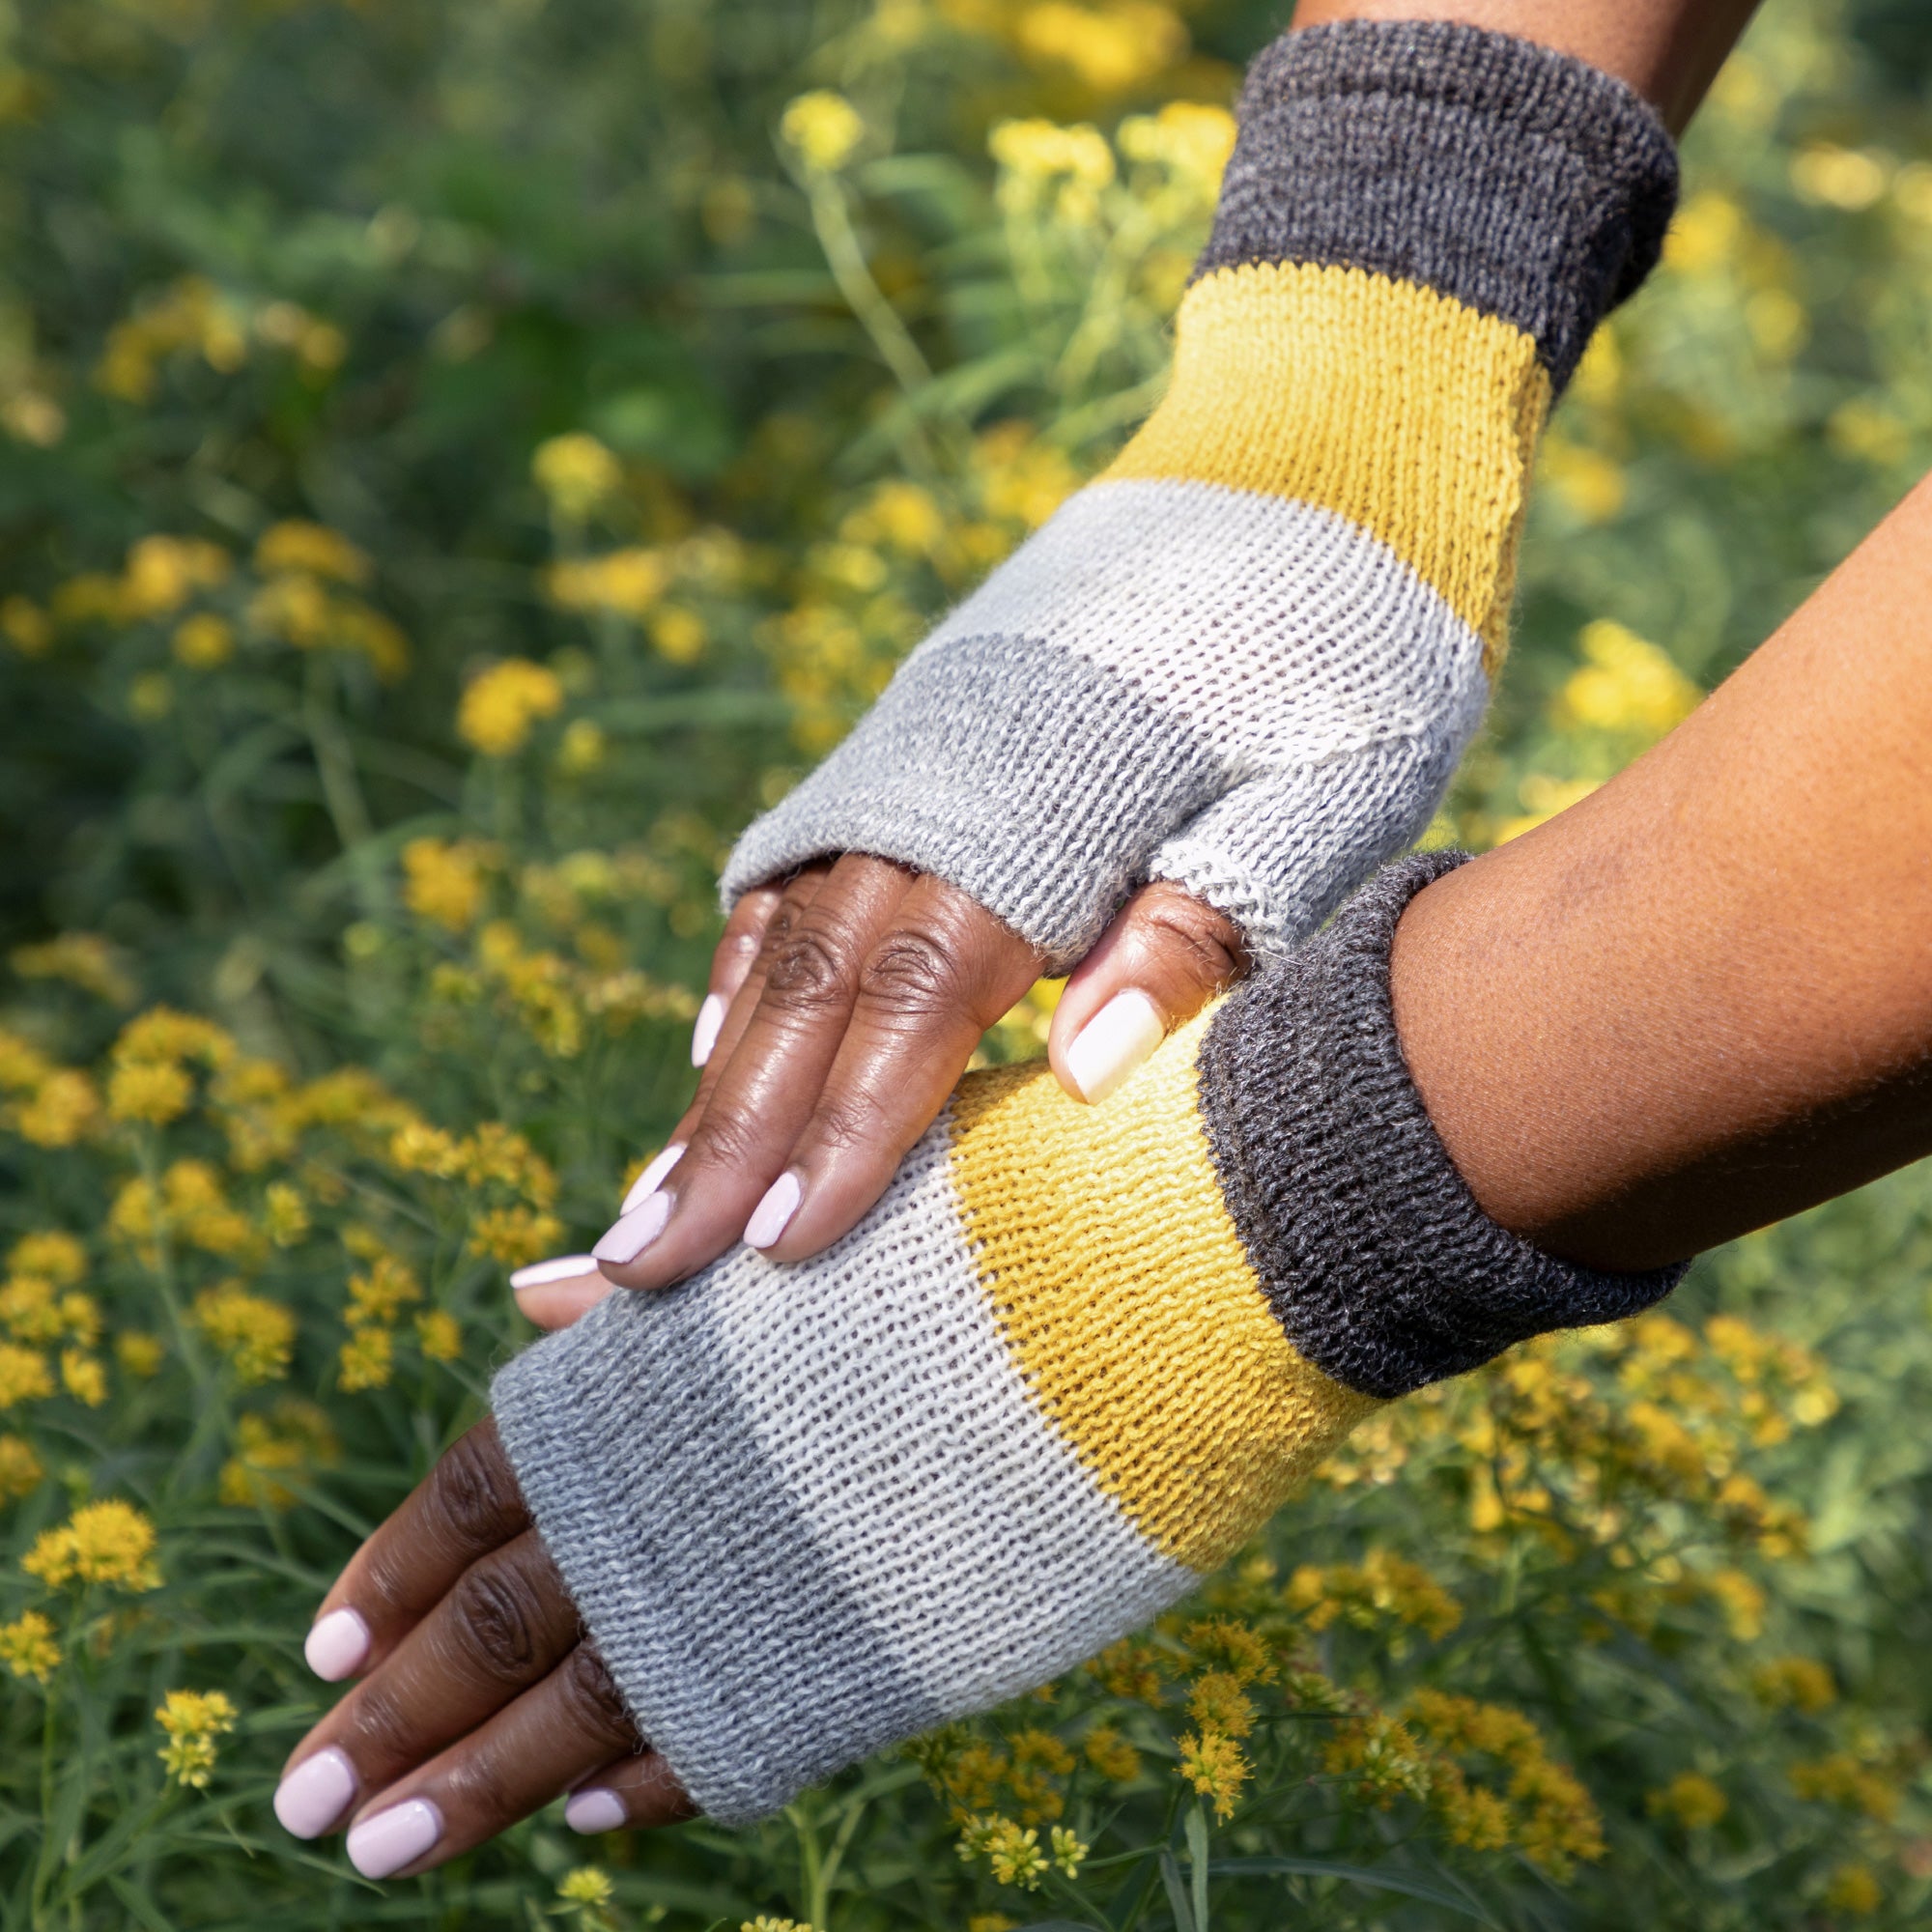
{"x": 1170, "y": 680}
{"x": 705, "y": 1593}
{"x": 809, "y": 1511}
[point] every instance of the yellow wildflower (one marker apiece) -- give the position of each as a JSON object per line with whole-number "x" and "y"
{"x": 1216, "y": 1766}
{"x": 503, "y": 704}
{"x": 1189, "y": 138}
{"x": 1691, "y": 1799}
{"x": 284, "y": 1213}
{"x": 83, "y": 960}
{"x": 678, "y": 634}
{"x": 1128, "y": 1669}
{"x": 823, "y": 129}
{"x": 1111, "y": 1755}
{"x": 26, "y": 626}
{"x": 585, "y": 1886}
{"x": 30, "y": 1309}
{"x": 103, "y": 1543}
{"x": 24, "y": 1375}
{"x": 1217, "y": 1703}
{"x": 21, "y": 1470}
{"x": 1014, "y": 1853}
{"x": 1797, "y": 1682}
{"x": 1231, "y": 1647}
{"x": 1112, "y": 48}
{"x": 139, "y": 1353}
{"x": 154, "y": 1091}
{"x": 515, "y": 1236}
{"x": 1854, "y": 1888}
{"x": 1382, "y": 1758}
{"x": 1382, "y": 1585}
{"x": 576, "y": 472}
{"x": 83, "y": 1377}
{"x": 193, "y": 1719}
{"x": 380, "y": 1291}
{"x": 61, "y": 1113}
{"x": 313, "y": 550}
{"x": 163, "y": 572}
{"x": 1627, "y": 685}
{"x": 27, "y": 1646}
{"x": 1839, "y": 1778}
{"x": 52, "y": 1254}
{"x": 163, "y": 1033}
{"x": 296, "y": 1436}
{"x": 256, "y": 1337}
{"x": 367, "y": 1360}
{"x": 1742, "y": 1600}
{"x": 580, "y": 748}
{"x": 444, "y": 881}
{"x": 1069, "y": 1852}
{"x": 764, "y": 1923}
{"x": 203, "y": 641}
{"x": 439, "y": 1335}
{"x": 624, "y": 583}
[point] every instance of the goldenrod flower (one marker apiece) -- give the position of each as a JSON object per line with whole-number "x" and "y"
{"x": 446, "y": 881}
{"x": 678, "y": 634}
{"x": 296, "y": 1436}
{"x": 26, "y": 626}
{"x": 1839, "y": 1778}
{"x": 1070, "y": 1853}
{"x": 1111, "y": 1755}
{"x": 1799, "y": 1683}
{"x": 163, "y": 572}
{"x": 580, "y": 748}
{"x": 504, "y": 703}
{"x": 103, "y": 1543}
{"x": 202, "y": 642}
{"x": 1628, "y": 684}
{"x": 60, "y": 1114}
{"x": 27, "y": 1646}
{"x": 1128, "y": 1669}
{"x": 823, "y": 129}
{"x": 256, "y": 1337}
{"x": 56, "y": 1256}
{"x": 163, "y": 1033}
{"x": 312, "y": 549}
{"x": 1691, "y": 1799}
{"x": 380, "y": 1291}
{"x": 1853, "y": 1889}
{"x": 1216, "y": 1766}
{"x": 624, "y": 583}
{"x": 24, "y": 1375}
{"x": 367, "y": 1360}
{"x": 83, "y": 1377}
{"x": 83, "y": 960}
{"x": 439, "y": 1335}
{"x": 1112, "y": 48}
{"x": 1217, "y": 1703}
{"x": 577, "y": 473}
{"x": 139, "y": 1353}
{"x": 153, "y": 1091}
{"x": 21, "y": 1470}
{"x": 193, "y": 1719}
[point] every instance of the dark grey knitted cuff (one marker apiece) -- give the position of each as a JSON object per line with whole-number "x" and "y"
{"x": 1378, "y": 1260}
{"x": 1508, "y": 176}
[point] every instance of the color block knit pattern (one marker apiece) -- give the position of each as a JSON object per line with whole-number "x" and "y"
{"x": 1073, "y": 1359}
{"x": 1248, "y": 657}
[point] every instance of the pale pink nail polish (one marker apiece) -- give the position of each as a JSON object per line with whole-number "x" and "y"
{"x": 646, "y": 1183}
{"x": 336, "y": 1645}
{"x": 772, "y": 1214}
{"x": 394, "y": 1838}
{"x": 1113, "y": 1044}
{"x": 315, "y": 1794}
{"x": 704, "y": 1030}
{"x": 592, "y": 1810}
{"x": 540, "y": 1274}
{"x": 628, "y": 1237}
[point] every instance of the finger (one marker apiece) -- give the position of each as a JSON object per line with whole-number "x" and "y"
{"x": 940, "y": 973}
{"x": 766, "y": 1089}
{"x": 634, "y": 1791}
{"x": 1165, "y": 956}
{"x": 504, "y": 1626}
{"x": 556, "y": 1293}
{"x": 466, "y": 1506}
{"x": 776, "y": 921}
{"x": 731, "y": 963}
{"x": 532, "y": 1753}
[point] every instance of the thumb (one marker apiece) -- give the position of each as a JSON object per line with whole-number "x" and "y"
{"x": 1165, "y": 956}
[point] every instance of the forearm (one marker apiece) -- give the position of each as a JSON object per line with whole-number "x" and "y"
{"x": 1669, "y": 50}
{"x": 1700, "y": 1001}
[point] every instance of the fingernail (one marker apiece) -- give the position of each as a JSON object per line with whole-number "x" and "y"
{"x": 336, "y": 1645}
{"x": 628, "y": 1237}
{"x": 540, "y": 1274}
{"x": 772, "y": 1214}
{"x": 704, "y": 1030}
{"x": 1119, "y": 1039}
{"x": 394, "y": 1838}
{"x": 315, "y": 1794}
{"x": 647, "y": 1181}
{"x": 593, "y": 1810}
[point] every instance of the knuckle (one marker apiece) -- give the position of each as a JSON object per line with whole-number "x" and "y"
{"x": 477, "y": 1492}
{"x": 730, "y": 1140}
{"x": 479, "y": 1785}
{"x": 591, "y": 1698}
{"x": 501, "y": 1621}
{"x": 854, "y": 1121}
{"x": 912, "y": 971}
{"x": 806, "y": 972}
{"x": 381, "y": 1724}
{"x": 1201, "y": 937}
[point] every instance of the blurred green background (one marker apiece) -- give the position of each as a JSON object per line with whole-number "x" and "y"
{"x": 457, "y": 463}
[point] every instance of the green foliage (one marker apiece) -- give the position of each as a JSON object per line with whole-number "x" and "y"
{"x": 455, "y": 464}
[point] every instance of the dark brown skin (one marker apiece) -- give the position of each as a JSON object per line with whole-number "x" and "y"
{"x": 1693, "y": 1004}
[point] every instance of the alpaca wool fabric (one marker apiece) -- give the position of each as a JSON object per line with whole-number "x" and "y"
{"x": 1248, "y": 657}
{"x": 1074, "y": 1358}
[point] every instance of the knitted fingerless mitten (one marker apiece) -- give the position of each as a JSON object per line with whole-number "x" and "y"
{"x": 1073, "y": 1359}
{"x": 1249, "y": 656}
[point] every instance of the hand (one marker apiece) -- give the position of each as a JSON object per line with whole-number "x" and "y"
{"x": 844, "y": 1005}
{"x": 480, "y": 1700}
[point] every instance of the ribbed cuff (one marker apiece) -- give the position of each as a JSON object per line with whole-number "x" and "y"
{"x": 1380, "y": 1264}
{"x": 1511, "y": 178}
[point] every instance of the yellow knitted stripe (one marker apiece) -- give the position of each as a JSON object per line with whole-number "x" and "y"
{"x": 1127, "y": 1301}
{"x": 1410, "y": 413}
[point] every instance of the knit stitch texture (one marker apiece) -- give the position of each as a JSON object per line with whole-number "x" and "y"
{"x": 1074, "y": 1358}
{"x": 1248, "y": 657}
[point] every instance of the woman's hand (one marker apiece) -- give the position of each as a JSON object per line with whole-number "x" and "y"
{"x": 844, "y": 1005}
{"x": 480, "y": 1699}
